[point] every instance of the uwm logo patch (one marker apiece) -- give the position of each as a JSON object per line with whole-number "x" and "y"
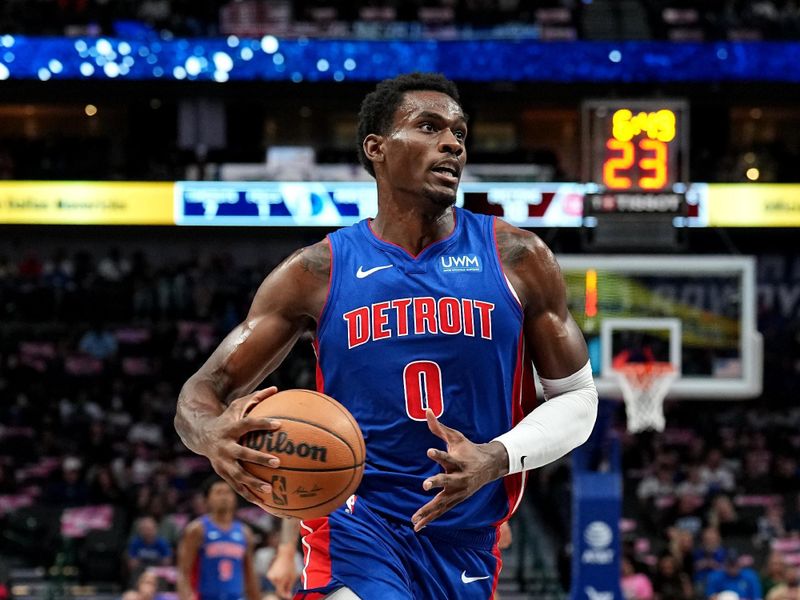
{"x": 460, "y": 264}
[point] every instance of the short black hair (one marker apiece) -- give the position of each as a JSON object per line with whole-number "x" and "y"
{"x": 210, "y": 482}
{"x": 378, "y": 108}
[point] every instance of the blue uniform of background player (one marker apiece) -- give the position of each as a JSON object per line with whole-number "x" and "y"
{"x": 215, "y": 554}
{"x": 424, "y": 312}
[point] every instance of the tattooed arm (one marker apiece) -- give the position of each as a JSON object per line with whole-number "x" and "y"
{"x": 558, "y": 350}
{"x": 213, "y": 402}
{"x": 553, "y": 338}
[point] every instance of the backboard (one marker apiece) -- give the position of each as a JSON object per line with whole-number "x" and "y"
{"x": 696, "y": 312}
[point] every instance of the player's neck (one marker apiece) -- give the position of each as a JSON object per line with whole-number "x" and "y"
{"x": 222, "y": 519}
{"x": 412, "y": 227}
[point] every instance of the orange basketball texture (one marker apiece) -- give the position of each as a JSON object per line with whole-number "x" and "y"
{"x": 321, "y": 450}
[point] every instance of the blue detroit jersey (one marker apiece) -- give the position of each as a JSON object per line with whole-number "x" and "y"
{"x": 220, "y": 562}
{"x": 441, "y": 330}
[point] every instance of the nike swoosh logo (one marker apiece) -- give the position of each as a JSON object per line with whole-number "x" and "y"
{"x": 466, "y": 579}
{"x": 361, "y": 273}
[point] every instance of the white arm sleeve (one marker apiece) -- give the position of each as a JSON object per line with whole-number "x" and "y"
{"x": 555, "y": 427}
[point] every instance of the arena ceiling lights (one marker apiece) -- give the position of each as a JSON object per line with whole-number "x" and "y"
{"x": 298, "y": 60}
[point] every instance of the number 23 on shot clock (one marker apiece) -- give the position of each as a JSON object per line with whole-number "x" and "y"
{"x": 636, "y": 145}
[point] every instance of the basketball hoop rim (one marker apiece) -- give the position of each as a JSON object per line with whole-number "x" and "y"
{"x": 643, "y": 375}
{"x": 655, "y": 367}
{"x": 644, "y": 387}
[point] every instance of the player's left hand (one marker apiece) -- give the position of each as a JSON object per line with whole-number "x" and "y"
{"x": 282, "y": 573}
{"x": 467, "y": 468}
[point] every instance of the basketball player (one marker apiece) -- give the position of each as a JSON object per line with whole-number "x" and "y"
{"x": 425, "y": 318}
{"x": 215, "y": 554}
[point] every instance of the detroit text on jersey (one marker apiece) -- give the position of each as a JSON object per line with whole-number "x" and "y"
{"x": 418, "y": 316}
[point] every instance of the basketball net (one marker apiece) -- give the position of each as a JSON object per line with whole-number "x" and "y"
{"x": 644, "y": 387}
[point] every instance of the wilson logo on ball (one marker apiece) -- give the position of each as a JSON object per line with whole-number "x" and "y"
{"x": 266, "y": 441}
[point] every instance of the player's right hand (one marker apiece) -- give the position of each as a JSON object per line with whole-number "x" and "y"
{"x": 223, "y": 450}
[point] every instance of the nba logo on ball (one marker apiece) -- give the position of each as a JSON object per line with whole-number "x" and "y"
{"x": 279, "y": 490}
{"x": 598, "y": 536}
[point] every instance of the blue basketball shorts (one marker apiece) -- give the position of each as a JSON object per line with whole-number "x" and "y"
{"x": 379, "y": 557}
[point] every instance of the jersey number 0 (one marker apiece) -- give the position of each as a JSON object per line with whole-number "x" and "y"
{"x": 422, "y": 384}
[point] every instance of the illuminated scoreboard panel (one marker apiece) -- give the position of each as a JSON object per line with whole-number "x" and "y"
{"x": 635, "y": 146}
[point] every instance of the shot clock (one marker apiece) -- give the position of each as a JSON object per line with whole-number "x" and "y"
{"x": 635, "y": 155}
{"x": 635, "y": 146}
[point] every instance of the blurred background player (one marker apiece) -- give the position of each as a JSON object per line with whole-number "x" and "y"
{"x": 215, "y": 554}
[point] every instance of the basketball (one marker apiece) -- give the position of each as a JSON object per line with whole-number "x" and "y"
{"x": 321, "y": 450}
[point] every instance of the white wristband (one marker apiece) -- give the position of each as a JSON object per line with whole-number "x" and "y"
{"x": 555, "y": 427}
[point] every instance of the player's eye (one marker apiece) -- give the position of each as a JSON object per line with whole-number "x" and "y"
{"x": 427, "y": 127}
{"x": 460, "y": 134}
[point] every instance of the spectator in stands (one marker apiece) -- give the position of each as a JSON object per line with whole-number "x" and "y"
{"x": 708, "y": 557}
{"x": 693, "y": 483}
{"x": 657, "y": 486}
{"x": 147, "y": 588}
{"x": 789, "y": 589}
{"x": 725, "y": 519}
{"x": 772, "y": 524}
{"x": 634, "y": 554}
{"x": 774, "y": 571}
{"x": 113, "y": 266}
{"x": 143, "y": 463}
{"x": 118, "y": 417}
{"x": 102, "y": 487}
{"x": 686, "y": 513}
{"x": 670, "y": 582}
{"x": 147, "y": 548}
{"x": 69, "y": 489}
{"x": 681, "y": 548}
{"x": 755, "y": 477}
{"x": 732, "y": 577}
{"x": 96, "y": 445}
{"x": 716, "y": 474}
{"x": 635, "y": 586}
{"x": 160, "y": 507}
{"x": 146, "y": 429}
{"x": 98, "y": 342}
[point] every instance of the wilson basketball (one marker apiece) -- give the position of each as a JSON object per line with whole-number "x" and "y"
{"x": 321, "y": 450}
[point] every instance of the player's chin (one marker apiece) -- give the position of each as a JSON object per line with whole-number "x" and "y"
{"x": 442, "y": 196}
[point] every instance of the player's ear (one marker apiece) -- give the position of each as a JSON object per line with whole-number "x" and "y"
{"x": 373, "y": 147}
